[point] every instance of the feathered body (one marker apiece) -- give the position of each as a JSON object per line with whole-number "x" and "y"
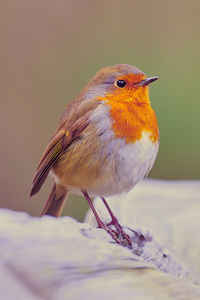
{"x": 107, "y": 139}
{"x": 101, "y": 164}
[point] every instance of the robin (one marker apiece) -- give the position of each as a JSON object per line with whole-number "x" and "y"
{"x": 106, "y": 142}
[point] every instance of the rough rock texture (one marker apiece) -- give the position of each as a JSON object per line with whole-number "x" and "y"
{"x": 49, "y": 258}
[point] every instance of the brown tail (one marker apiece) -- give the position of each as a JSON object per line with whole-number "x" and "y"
{"x": 55, "y": 203}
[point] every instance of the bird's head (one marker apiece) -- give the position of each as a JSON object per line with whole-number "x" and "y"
{"x": 122, "y": 83}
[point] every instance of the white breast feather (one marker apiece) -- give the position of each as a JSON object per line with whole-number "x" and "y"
{"x": 133, "y": 161}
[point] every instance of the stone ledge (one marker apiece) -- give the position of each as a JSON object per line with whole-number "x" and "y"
{"x": 49, "y": 258}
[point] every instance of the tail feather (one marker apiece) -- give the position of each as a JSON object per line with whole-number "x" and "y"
{"x": 55, "y": 203}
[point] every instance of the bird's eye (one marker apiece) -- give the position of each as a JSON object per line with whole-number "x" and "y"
{"x": 121, "y": 83}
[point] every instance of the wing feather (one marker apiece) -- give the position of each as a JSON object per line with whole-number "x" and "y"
{"x": 59, "y": 143}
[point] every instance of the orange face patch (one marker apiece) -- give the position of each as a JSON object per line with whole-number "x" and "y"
{"x": 131, "y": 111}
{"x": 131, "y": 79}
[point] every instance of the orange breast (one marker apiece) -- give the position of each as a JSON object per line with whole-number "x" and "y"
{"x": 132, "y": 114}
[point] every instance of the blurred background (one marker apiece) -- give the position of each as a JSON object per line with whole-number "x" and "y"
{"x": 50, "y": 49}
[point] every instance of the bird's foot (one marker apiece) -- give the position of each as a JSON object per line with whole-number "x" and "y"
{"x": 121, "y": 238}
{"x": 114, "y": 234}
{"x": 117, "y": 234}
{"x": 124, "y": 238}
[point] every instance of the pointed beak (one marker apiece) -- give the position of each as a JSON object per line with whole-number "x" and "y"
{"x": 146, "y": 81}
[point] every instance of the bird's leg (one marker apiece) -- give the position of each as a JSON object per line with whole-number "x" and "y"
{"x": 113, "y": 233}
{"x": 115, "y": 222}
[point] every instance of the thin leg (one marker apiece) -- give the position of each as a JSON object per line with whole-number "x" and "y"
{"x": 109, "y": 210}
{"x": 113, "y": 233}
{"x": 119, "y": 236}
{"x": 87, "y": 197}
{"x": 115, "y": 222}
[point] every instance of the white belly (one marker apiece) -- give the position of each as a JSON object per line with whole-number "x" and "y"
{"x": 127, "y": 164}
{"x": 134, "y": 162}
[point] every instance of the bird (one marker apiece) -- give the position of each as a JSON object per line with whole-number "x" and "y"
{"x": 106, "y": 142}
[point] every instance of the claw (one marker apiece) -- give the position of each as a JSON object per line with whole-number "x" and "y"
{"x": 124, "y": 238}
{"x": 119, "y": 235}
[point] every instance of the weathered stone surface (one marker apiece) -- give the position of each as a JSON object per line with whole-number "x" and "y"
{"x": 49, "y": 258}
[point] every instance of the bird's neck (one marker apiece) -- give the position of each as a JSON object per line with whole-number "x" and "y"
{"x": 131, "y": 118}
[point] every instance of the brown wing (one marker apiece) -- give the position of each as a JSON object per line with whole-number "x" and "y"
{"x": 68, "y": 131}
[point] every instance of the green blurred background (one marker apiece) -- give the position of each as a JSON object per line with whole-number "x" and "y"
{"x": 50, "y": 49}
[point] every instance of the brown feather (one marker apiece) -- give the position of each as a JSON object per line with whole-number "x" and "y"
{"x": 69, "y": 130}
{"x": 54, "y": 205}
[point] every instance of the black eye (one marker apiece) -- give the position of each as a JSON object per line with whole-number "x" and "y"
{"x": 121, "y": 83}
